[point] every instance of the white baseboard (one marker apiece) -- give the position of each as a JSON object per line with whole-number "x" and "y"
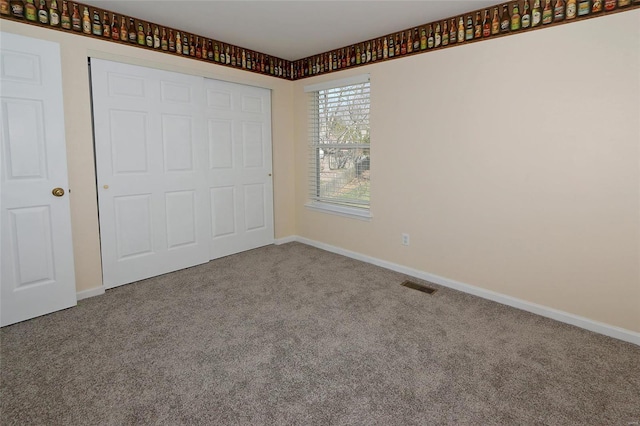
{"x": 85, "y": 294}
{"x": 578, "y": 321}
{"x": 285, "y": 240}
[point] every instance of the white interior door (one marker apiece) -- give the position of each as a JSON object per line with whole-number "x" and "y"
{"x": 151, "y": 171}
{"x": 37, "y": 253}
{"x": 240, "y": 184}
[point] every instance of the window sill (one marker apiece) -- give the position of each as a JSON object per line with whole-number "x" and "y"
{"x": 351, "y": 212}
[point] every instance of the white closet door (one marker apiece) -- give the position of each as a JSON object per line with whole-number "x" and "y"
{"x": 239, "y": 177}
{"x": 37, "y": 270}
{"x": 151, "y": 171}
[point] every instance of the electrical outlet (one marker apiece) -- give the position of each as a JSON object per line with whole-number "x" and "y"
{"x": 405, "y": 239}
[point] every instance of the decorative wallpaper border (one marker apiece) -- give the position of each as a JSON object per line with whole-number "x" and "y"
{"x": 80, "y": 19}
{"x": 503, "y": 19}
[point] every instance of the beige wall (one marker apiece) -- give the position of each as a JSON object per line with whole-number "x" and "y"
{"x": 513, "y": 164}
{"x": 79, "y": 133}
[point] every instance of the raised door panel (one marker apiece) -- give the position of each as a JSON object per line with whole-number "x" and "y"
{"x": 181, "y": 219}
{"x": 126, "y": 86}
{"x": 24, "y": 135}
{"x": 223, "y": 211}
{"x": 20, "y": 67}
{"x": 32, "y": 244}
{"x": 177, "y": 142}
{"x": 252, "y": 104}
{"x": 252, "y": 145}
{"x": 254, "y": 206}
{"x": 133, "y": 226}
{"x": 220, "y": 143}
{"x": 220, "y": 99}
{"x": 129, "y": 141}
{"x": 175, "y": 92}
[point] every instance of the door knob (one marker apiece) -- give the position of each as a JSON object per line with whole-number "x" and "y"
{"x": 57, "y": 192}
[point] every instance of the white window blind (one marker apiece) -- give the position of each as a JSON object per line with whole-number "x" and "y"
{"x": 339, "y": 154}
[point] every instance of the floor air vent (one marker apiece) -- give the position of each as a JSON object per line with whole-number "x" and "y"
{"x": 419, "y": 287}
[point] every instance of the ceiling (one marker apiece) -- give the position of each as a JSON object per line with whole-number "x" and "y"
{"x": 291, "y": 29}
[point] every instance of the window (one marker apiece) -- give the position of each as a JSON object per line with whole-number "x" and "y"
{"x": 339, "y": 155}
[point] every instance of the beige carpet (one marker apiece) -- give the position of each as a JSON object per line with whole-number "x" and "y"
{"x": 295, "y": 335}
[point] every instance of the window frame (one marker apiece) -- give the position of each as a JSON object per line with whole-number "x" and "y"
{"x": 330, "y": 206}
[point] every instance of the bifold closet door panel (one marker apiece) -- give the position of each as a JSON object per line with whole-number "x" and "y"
{"x": 151, "y": 166}
{"x": 238, "y": 120}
